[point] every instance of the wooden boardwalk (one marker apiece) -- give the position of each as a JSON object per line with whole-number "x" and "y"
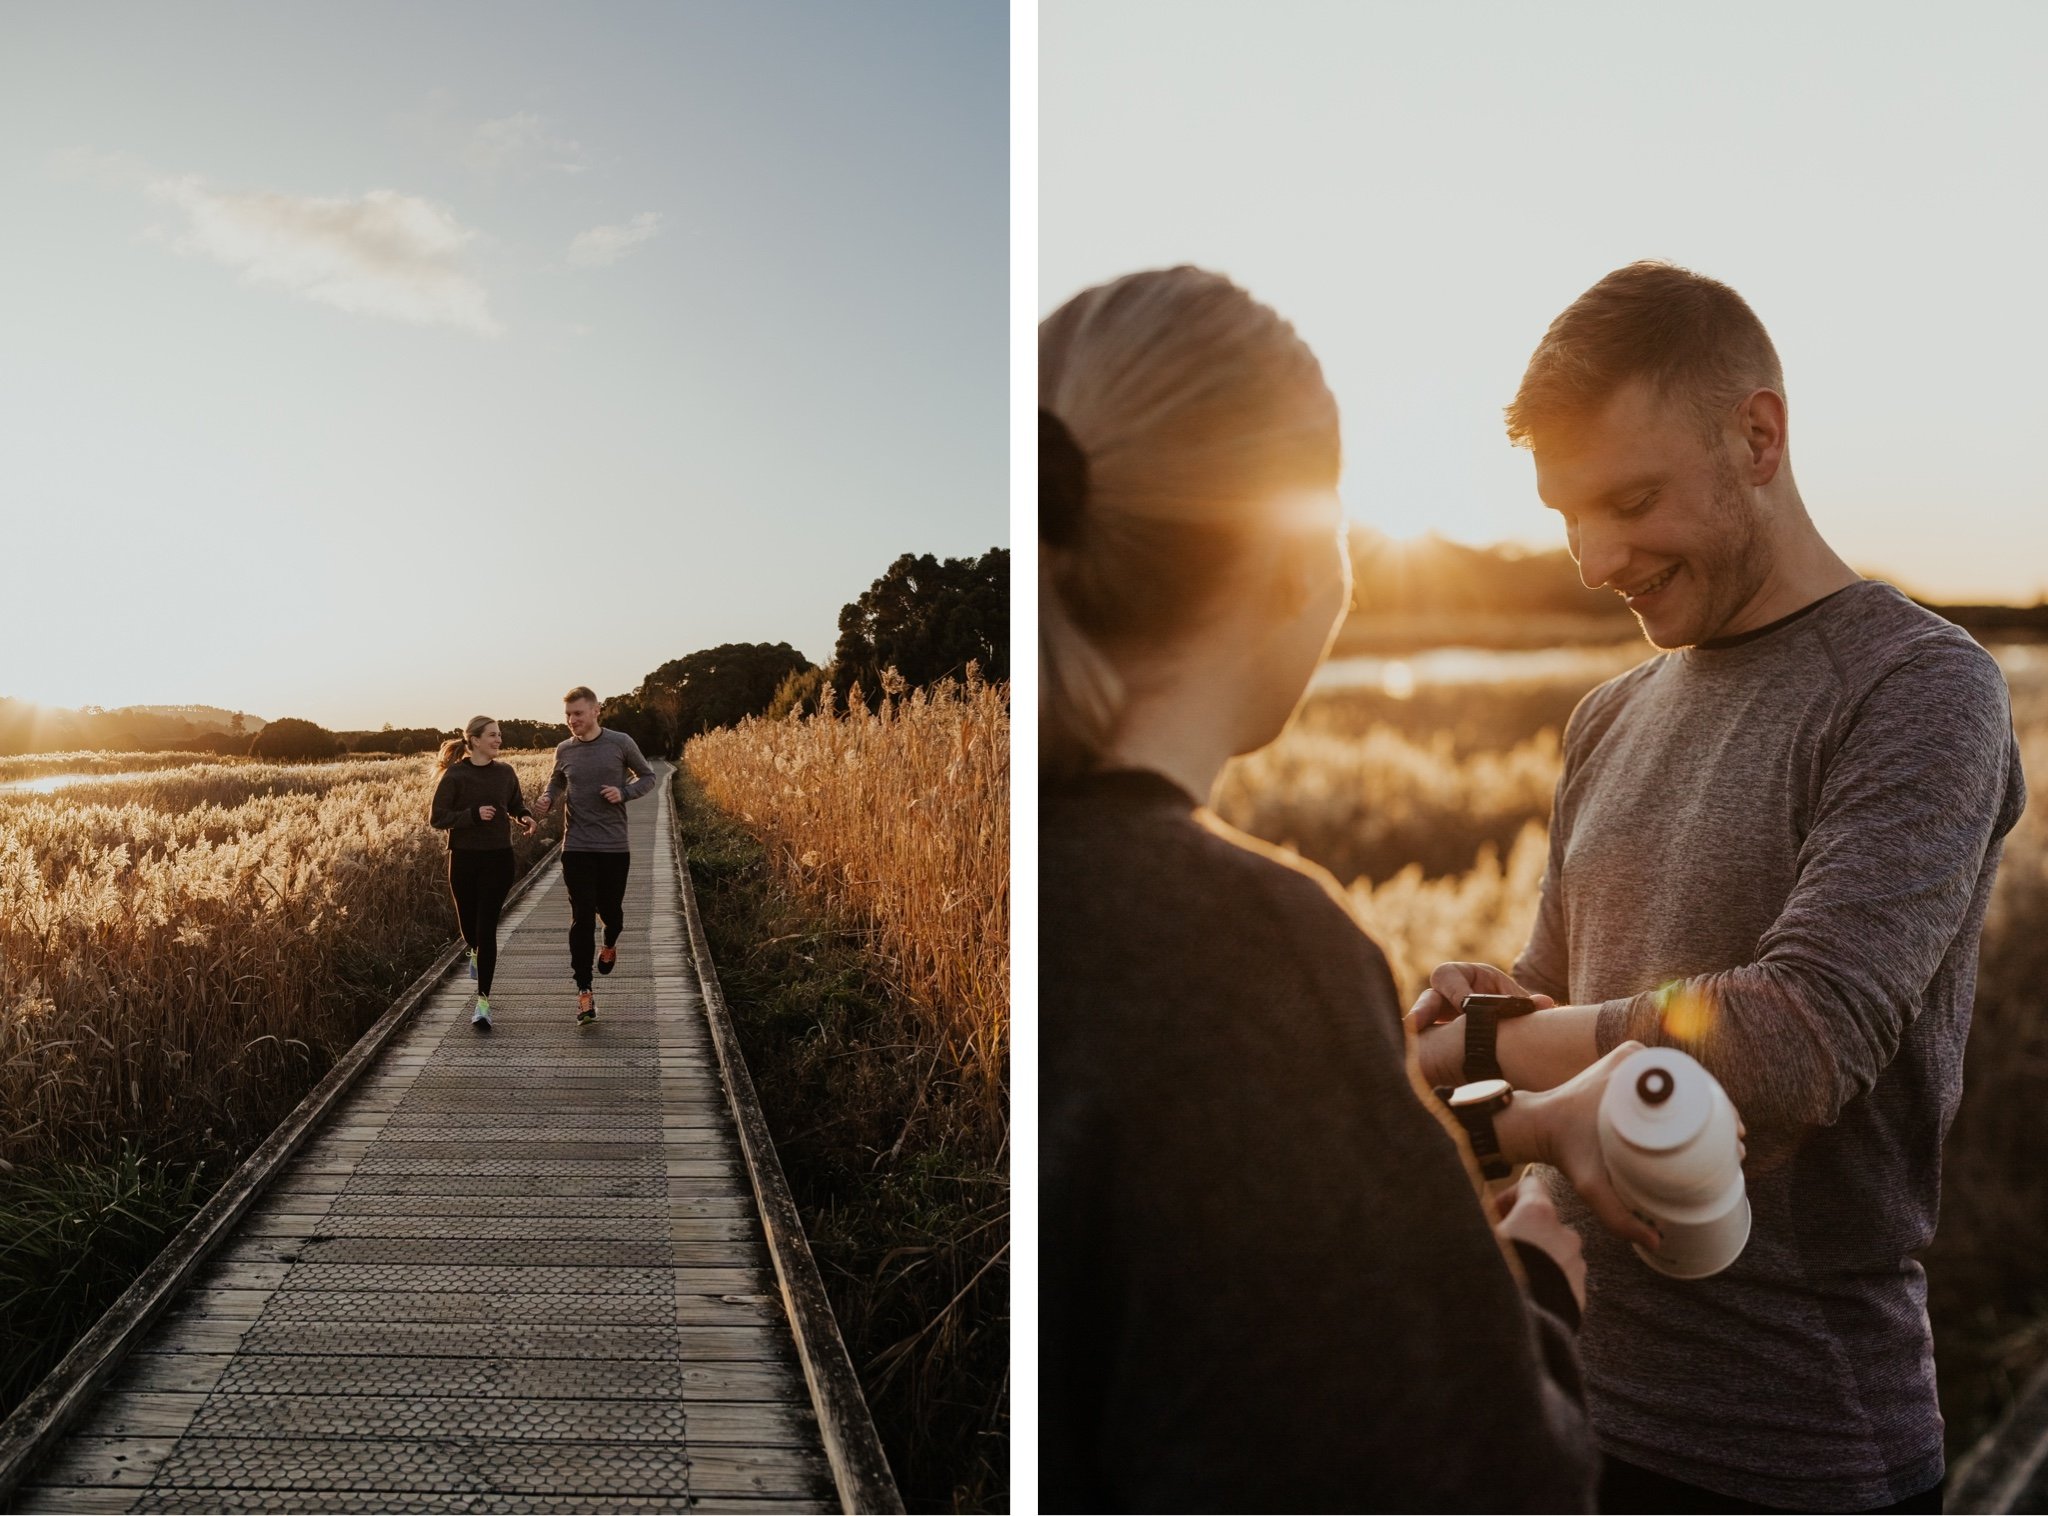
{"x": 516, "y": 1271}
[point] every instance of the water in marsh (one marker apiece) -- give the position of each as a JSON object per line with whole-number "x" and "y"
{"x": 46, "y": 784}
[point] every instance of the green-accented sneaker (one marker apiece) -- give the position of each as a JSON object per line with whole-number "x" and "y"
{"x": 586, "y": 1008}
{"x": 480, "y": 1018}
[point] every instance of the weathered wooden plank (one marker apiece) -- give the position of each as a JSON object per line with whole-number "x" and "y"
{"x": 58, "y": 1497}
{"x": 733, "y": 1307}
{"x": 468, "y": 1228}
{"x": 691, "y": 1343}
{"x": 171, "y": 1413}
{"x": 481, "y": 1465}
{"x": 537, "y": 1378}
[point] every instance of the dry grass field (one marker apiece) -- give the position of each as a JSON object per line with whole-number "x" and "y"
{"x": 855, "y": 880}
{"x": 900, "y": 820}
{"x": 174, "y": 946}
{"x": 1429, "y": 801}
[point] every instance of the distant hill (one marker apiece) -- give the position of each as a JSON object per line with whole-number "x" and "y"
{"x": 29, "y": 728}
{"x": 1431, "y": 592}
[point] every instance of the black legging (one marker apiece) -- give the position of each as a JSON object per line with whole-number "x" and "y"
{"x": 478, "y": 879}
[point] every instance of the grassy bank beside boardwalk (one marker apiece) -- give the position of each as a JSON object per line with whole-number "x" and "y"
{"x": 886, "y": 1098}
{"x": 183, "y": 954}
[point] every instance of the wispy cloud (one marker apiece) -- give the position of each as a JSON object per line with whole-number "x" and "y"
{"x": 383, "y": 254}
{"x": 603, "y": 245}
{"x": 512, "y": 144}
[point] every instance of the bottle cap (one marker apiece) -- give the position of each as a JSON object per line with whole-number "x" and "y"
{"x": 1659, "y": 1099}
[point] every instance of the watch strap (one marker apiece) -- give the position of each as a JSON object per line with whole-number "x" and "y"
{"x": 1482, "y": 1043}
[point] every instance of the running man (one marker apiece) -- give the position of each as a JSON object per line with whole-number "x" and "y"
{"x": 599, "y": 771}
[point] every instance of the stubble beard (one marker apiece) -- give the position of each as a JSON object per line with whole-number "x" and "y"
{"x": 1734, "y": 568}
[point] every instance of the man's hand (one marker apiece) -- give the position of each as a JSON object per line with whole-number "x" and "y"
{"x": 1527, "y": 1215}
{"x": 486, "y": 812}
{"x": 546, "y": 802}
{"x": 613, "y": 793}
{"x": 1452, "y": 982}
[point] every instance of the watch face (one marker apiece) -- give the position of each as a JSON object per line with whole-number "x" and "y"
{"x": 1502, "y": 1006}
{"x": 1479, "y": 1092}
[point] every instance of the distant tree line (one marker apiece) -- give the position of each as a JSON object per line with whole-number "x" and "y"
{"x": 925, "y": 619}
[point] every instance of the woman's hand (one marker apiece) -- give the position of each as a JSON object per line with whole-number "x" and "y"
{"x": 486, "y": 812}
{"x": 526, "y": 825}
{"x": 1527, "y": 1215}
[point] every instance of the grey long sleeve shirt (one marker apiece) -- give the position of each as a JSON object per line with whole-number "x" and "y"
{"x": 582, "y": 770}
{"x": 1778, "y": 856}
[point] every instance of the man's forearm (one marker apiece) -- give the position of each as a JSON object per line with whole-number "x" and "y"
{"x": 1538, "y": 1051}
{"x": 1545, "y": 1048}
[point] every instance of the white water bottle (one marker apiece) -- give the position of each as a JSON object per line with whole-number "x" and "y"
{"x": 1668, "y": 1133}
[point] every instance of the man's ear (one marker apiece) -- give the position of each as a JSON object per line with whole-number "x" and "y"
{"x": 1761, "y": 419}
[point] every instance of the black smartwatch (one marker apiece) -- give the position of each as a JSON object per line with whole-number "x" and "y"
{"x": 1483, "y": 1016}
{"x": 1475, "y": 1105}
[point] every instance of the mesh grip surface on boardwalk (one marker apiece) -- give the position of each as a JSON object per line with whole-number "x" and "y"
{"x": 521, "y": 1270}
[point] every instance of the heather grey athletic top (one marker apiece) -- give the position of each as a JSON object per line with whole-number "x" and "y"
{"x": 1802, "y": 830}
{"x": 1266, "y": 1282}
{"x": 595, "y": 825}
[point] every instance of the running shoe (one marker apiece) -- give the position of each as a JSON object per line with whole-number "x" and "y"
{"x": 480, "y": 1018}
{"x": 586, "y": 1008}
{"x": 472, "y": 963}
{"x": 606, "y": 959}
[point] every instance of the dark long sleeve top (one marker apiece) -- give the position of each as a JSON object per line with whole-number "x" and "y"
{"x": 1267, "y": 1282}
{"x": 466, "y": 788}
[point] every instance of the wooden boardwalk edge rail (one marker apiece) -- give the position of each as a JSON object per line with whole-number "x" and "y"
{"x": 67, "y": 1391}
{"x": 860, "y": 1469}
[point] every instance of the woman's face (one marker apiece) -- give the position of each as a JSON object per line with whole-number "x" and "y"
{"x": 1309, "y": 604}
{"x": 487, "y": 742}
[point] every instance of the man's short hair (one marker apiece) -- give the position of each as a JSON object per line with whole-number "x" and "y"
{"x": 1692, "y": 337}
{"x": 581, "y": 692}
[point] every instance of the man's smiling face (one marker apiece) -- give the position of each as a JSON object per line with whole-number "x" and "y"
{"x": 1656, "y": 512}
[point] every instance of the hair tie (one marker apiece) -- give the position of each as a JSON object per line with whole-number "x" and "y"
{"x": 1062, "y": 482}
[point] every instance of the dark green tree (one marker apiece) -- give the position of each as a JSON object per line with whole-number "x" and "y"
{"x": 927, "y": 618}
{"x": 627, "y": 713}
{"x": 518, "y": 733}
{"x": 289, "y": 737}
{"x": 719, "y": 686}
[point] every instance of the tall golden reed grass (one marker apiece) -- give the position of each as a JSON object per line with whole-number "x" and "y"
{"x": 899, "y": 820}
{"x": 182, "y": 953}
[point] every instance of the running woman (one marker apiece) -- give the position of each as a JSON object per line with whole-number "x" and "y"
{"x": 600, "y": 771}
{"x": 476, "y": 803}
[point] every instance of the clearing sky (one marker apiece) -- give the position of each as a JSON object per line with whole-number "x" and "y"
{"x": 1422, "y": 187}
{"x": 394, "y": 363}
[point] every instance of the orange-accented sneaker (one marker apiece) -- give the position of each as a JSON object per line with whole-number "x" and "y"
{"x": 606, "y": 959}
{"x": 586, "y": 1008}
